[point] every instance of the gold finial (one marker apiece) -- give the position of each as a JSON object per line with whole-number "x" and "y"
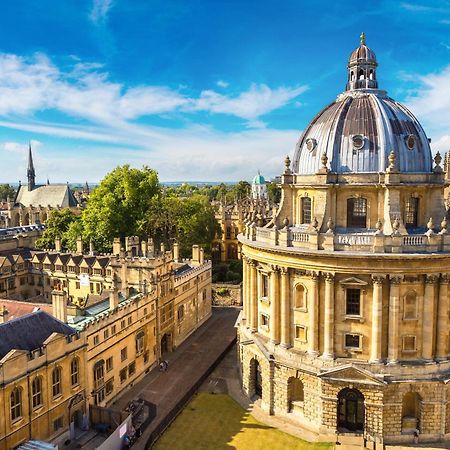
{"x": 363, "y": 38}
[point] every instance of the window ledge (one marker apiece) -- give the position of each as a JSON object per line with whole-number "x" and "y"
{"x": 300, "y": 341}
{"x": 409, "y": 351}
{"x": 360, "y": 319}
{"x": 303, "y": 310}
{"x": 410, "y": 319}
{"x": 264, "y": 300}
{"x": 353, "y": 349}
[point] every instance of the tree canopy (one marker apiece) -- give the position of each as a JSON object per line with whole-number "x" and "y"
{"x": 130, "y": 202}
{"x": 6, "y": 191}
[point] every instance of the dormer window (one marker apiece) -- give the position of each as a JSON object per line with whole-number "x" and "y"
{"x": 311, "y": 144}
{"x": 411, "y": 141}
{"x": 358, "y": 141}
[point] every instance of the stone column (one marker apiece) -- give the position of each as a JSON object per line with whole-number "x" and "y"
{"x": 245, "y": 289}
{"x": 285, "y": 309}
{"x": 377, "y": 313}
{"x": 313, "y": 314}
{"x": 328, "y": 335}
{"x": 428, "y": 317}
{"x": 394, "y": 318}
{"x": 274, "y": 325}
{"x": 253, "y": 297}
{"x": 442, "y": 318}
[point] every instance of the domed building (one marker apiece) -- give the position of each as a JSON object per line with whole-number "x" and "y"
{"x": 345, "y": 321}
{"x": 259, "y": 187}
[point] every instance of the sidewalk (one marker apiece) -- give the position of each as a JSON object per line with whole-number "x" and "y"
{"x": 187, "y": 364}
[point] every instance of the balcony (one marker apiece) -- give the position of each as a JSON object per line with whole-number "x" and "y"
{"x": 346, "y": 240}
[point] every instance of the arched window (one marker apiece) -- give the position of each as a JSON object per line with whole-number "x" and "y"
{"x": 140, "y": 342}
{"x": 36, "y": 392}
{"x": 351, "y": 410}
{"x": 16, "y": 404}
{"x": 371, "y": 74}
{"x": 357, "y": 212}
{"x": 56, "y": 382}
{"x": 300, "y": 297}
{"x": 305, "y": 210}
{"x": 75, "y": 371}
{"x": 256, "y": 377}
{"x": 361, "y": 74}
{"x": 352, "y": 76}
{"x": 99, "y": 373}
{"x": 410, "y": 305}
{"x": 411, "y": 212}
{"x": 295, "y": 392}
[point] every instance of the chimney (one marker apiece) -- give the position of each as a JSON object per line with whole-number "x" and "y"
{"x": 3, "y": 314}
{"x": 202, "y": 255}
{"x": 113, "y": 298}
{"x": 195, "y": 254}
{"x": 116, "y": 246}
{"x": 59, "y": 304}
{"x": 163, "y": 248}
{"x": 91, "y": 247}
{"x": 57, "y": 243}
{"x": 79, "y": 245}
{"x": 144, "y": 248}
{"x": 176, "y": 252}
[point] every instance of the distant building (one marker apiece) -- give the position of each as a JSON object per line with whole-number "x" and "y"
{"x": 259, "y": 187}
{"x": 33, "y": 203}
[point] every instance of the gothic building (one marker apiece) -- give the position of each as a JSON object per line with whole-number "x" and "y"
{"x": 345, "y": 324}
{"x": 33, "y": 202}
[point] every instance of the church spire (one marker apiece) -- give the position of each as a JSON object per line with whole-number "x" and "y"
{"x": 31, "y": 174}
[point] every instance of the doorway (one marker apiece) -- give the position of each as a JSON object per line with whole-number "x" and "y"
{"x": 351, "y": 410}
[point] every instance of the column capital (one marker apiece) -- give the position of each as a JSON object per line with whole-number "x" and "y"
{"x": 274, "y": 268}
{"x": 252, "y": 262}
{"x": 312, "y": 274}
{"x": 329, "y": 277}
{"x": 395, "y": 279}
{"x": 431, "y": 279}
{"x": 284, "y": 270}
{"x": 378, "y": 278}
{"x": 445, "y": 278}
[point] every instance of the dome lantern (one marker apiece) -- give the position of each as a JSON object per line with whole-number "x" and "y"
{"x": 362, "y": 66}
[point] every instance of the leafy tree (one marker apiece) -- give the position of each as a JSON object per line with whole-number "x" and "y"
{"x": 6, "y": 191}
{"x": 57, "y": 225}
{"x": 118, "y": 205}
{"x": 274, "y": 192}
{"x": 241, "y": 189}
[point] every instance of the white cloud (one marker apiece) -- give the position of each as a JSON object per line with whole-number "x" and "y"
{"x": 28, "y": 85}
{"x": 100, "y": 10}
{"x": 20, "y": 147}
{"x": 431, "y": 103}
{"x": 257, "y": 101}
{"x": 222, "y": 84}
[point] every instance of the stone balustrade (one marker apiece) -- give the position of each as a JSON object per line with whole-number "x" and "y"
{"x": 368, "y": 242}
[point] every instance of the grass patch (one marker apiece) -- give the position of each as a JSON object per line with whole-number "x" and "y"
{"x": 217, "y": 422}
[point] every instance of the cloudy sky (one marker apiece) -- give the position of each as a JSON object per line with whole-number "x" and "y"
{"x": 200, "y": 89}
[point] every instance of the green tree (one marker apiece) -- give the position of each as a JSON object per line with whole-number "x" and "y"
{"x": 241, "y": 189}
{"x": 119, "y": 204}
{"x": 6, "y": 191}
{"x": 273, "y": 192}
{"x": 57, "y": 225}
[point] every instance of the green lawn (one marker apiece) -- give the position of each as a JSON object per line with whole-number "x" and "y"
{"x": 217, "y": 422}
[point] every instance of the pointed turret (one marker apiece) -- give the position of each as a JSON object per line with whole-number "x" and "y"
{"x": 31, "y": 174}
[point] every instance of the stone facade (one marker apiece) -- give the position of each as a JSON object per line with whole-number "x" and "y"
{"x": 345, "y": 321}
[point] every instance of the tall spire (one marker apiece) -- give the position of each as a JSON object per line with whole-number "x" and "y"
{"x": 362, "y": 67}
{"x": 31, "y": 174}
{"x": 362, "y": 38}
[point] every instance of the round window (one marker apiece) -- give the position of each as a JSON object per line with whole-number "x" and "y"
{"x": 311, "y": 144}
{"x": 358, "y": 141}
{"x": 411, "y": 141}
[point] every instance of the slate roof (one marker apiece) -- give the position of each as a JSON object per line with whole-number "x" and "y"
{"x": 49, "y": 194}
{"x": 30, "y": 332}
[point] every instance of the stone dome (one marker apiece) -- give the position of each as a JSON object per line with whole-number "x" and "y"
{"x": 359, "y": 130}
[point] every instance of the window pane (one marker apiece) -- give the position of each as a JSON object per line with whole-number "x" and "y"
{"x": 353, "y": 305}
{"x": 357, "y": 212}
{"x": 411, "y": 209}
{"x": 306, "y": 210}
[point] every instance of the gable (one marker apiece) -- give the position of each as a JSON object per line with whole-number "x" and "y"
{"x": 353, "y": 281}
{"x": 352, "y": 374}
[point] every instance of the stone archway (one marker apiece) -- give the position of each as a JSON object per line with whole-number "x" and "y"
{"x": 255, "y": 378}
{"x": 166, "y": 343}
{"x": 351, "y": 410}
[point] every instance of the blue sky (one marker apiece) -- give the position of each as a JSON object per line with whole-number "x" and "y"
{"x": 200, "y": 90}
